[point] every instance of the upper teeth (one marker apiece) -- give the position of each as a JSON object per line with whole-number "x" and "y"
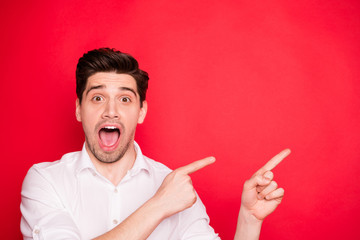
{"x": 110, "y": 127}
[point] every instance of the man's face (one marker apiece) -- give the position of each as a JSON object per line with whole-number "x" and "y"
{"x": 109, "y": 112}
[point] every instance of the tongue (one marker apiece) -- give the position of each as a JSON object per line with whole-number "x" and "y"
{"x": 108, "y": 138}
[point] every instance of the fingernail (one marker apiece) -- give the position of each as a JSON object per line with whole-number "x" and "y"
{"x": 268, "y": 175}
{"x": 266, "y": 180}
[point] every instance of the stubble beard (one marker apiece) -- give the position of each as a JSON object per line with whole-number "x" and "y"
{"x": 110, "y": 157}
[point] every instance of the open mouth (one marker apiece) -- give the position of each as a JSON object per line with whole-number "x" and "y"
{"x": 109, "y": 135}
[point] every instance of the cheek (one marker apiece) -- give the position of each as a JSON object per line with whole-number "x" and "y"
{"x": 88, "y": 121}
{"x": 133, "y": 119}
{"x": 89, "y": 114}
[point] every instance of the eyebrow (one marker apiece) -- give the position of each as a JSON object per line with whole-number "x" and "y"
{"x": 94, "y": 87}
{"x": 103, "y": 86}
{"x": 128, "y": 89}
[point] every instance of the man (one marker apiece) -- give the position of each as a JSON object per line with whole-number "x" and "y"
{"x": 110, "y": 190}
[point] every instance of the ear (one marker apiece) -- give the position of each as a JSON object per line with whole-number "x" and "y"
{"x": 143, "y": 112}
{"x": 77, "y": 112}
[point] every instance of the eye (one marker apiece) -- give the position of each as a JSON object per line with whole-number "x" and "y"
{"x": 125, "y": 99}
{"x": 97, "y": 98}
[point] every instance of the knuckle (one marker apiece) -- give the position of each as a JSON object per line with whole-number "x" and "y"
{"x": 179, "y": 174}
{"x": 187, "y": 178}
{"x": 194, "y": 195}
{"x": 274, "y": 184}
{"x": 269, "y": 175}
{"x": 175, "y": 172}
{"x": 247, "y": 184}
{"x": 258, "y": 178}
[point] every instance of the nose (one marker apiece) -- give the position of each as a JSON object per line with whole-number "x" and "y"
{"x": 110, "y": 110}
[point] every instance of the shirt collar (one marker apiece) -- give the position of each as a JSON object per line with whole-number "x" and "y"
{"x": 140, "y": 162}
{"x": 84, "y": 162}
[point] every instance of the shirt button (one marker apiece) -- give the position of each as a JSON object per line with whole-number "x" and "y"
{"x": 115, "y": 221}
{"x": 94, "y": 174}
{"x": 115, "y": 190}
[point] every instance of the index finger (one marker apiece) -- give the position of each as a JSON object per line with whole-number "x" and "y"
{"x": 197, "y": 165}
{"x": 273, "y": 162}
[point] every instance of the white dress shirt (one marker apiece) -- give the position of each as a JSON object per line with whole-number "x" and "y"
{"x": 70, "y": 199}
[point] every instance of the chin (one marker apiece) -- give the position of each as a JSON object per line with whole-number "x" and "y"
{"x": 110, "y": 156}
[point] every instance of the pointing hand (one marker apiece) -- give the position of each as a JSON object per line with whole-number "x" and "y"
{"x": 177, "y": 193}
{"x": 261, "y": 194}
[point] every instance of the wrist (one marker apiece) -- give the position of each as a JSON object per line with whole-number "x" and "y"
{"x": 248, "y": 226}
{"x": 156, "y": 208}
{"x": 248, "y": 218}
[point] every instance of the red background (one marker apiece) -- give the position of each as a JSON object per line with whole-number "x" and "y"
{"x": 240, "y": 80}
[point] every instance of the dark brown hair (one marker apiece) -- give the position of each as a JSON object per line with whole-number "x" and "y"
{"x": 109, "y": 60}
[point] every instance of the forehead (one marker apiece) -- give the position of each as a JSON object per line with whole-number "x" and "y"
{"x": 111, "y": 81}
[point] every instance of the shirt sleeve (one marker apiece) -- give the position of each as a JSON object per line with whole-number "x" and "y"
{"x": 196, "y": 223}
{"x": 43, "y": 215}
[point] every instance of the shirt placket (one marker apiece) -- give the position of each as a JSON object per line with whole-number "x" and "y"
{"x": 115, "y": 210}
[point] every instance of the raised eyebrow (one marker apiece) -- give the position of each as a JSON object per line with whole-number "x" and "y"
{"x": 94, "y": 87}
{"x": 103, "y": 86}
{"x": 128, "y": 89}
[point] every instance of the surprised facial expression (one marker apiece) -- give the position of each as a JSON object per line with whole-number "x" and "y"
{"x": 110, "y": 111}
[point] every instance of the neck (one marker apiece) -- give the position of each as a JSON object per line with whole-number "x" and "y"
{"x": 116, "y": 171}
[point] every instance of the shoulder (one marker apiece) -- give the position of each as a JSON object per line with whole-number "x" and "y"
{"x": 56, "y": 170}
{"x": 156, "y": 168}
{"x": 66, "y": 159}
